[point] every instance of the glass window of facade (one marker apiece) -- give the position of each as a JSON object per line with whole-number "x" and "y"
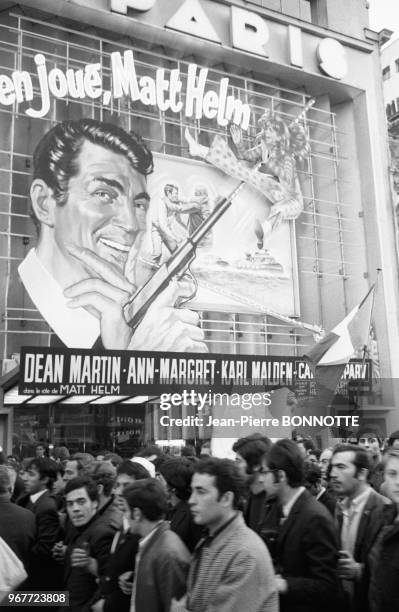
{"x": 386, "y": 73}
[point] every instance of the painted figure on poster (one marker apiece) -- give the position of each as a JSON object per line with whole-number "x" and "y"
{"x": 172, "y": 218}
{"x": 270, "y": 165}
{"x": 89, "y": 203}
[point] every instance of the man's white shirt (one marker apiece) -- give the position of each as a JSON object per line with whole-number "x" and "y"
{"x": 76, "y": 327}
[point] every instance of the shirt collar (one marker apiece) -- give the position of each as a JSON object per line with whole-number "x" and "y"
{"x": 322, "y": 490}
{"x": 356, "y": 502}
{"x": 33, "y": 498}
{"x": 149, "y": 535}
{"x": 208, "y": 539}
{"x": 288, "y": 506}
{"x": 75, "y": 327}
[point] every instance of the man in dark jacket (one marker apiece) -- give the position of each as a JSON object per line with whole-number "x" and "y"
{"x": 360, "y": 517}
{"x": 162, "y": 561}
{"x": 178, "y": 471}
{"x": 306, "y": 548}
{"x": 39, "y": 478}
{"x": 88, "y": 546}
{"x": 17, "y": 525}
{"x": 250, "y": 452}
{"x": 109, "y": 595}
{"x": 384, "y": 558}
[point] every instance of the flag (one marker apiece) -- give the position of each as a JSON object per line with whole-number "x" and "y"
{"x": 329, "y": 357}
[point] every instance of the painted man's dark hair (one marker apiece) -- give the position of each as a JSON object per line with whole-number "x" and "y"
{"x": 55, "y": 157}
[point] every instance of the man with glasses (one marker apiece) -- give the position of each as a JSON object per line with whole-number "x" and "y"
{"x": 306, "y": 549}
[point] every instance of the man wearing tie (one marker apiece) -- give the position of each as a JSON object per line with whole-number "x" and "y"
{"x": 306, "y": 548}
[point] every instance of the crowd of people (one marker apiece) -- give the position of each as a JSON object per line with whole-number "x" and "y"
{"x": 286, "y": 526}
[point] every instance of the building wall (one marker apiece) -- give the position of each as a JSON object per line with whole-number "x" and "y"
{"x": 390, "y": 60}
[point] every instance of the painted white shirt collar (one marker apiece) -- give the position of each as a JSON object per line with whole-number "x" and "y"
{"x": 75, "y": 327}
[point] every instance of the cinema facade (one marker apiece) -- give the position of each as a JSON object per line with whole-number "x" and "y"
{"x": 200, "y": 65}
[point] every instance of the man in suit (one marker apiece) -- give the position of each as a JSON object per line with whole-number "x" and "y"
{"x": 39, "y": 477}
{"x": 162, "y": 560}
{"x": 89, "y": 203}
{"x": 231, "y": 569}
{"x": 306, "y": 550}
{"x": 360, "y": 515}
{"x": 17, "y": 525}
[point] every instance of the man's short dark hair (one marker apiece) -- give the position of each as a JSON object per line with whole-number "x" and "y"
{"x": 308, "y": 443}
{"x": 227, "y": 476}
{"x": 46, "y": 467}
{"x": 252, "y": 448}
{"x": 82, "y": 483}
{"x": 132, "y": 469}
{"x": 149, "y": 496}
{"x": 104, "y": 474}
{"x": 178, "y": 472}
{"x": 61, "y": 453}
{"x": 43, "y": 446}
{"x": 86, "y": 460}
{"x": 361, "y": 458}
{"x": 394, "y": 436}
{"x": 312, "y": 474}
{"x": 115, "y": 459}
{"x": 285, "y": 455}
{"x": 55, "y": 157}
{"x": 188, "y": 451}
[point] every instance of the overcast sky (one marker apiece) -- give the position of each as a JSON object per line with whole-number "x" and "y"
{"x": 384, "y": 14}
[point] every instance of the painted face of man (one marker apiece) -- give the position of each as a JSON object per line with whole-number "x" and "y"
{"x": 100, "y": 211}
{"x": 206, "y": 503}
{"x": 344, "y": 477}
{"x": 392, "y": 479}
{"x": 173, "y": 195}
{"x": 80, "y": 507}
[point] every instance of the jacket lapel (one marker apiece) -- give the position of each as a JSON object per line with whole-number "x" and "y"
{"x": 287, "y": 524}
